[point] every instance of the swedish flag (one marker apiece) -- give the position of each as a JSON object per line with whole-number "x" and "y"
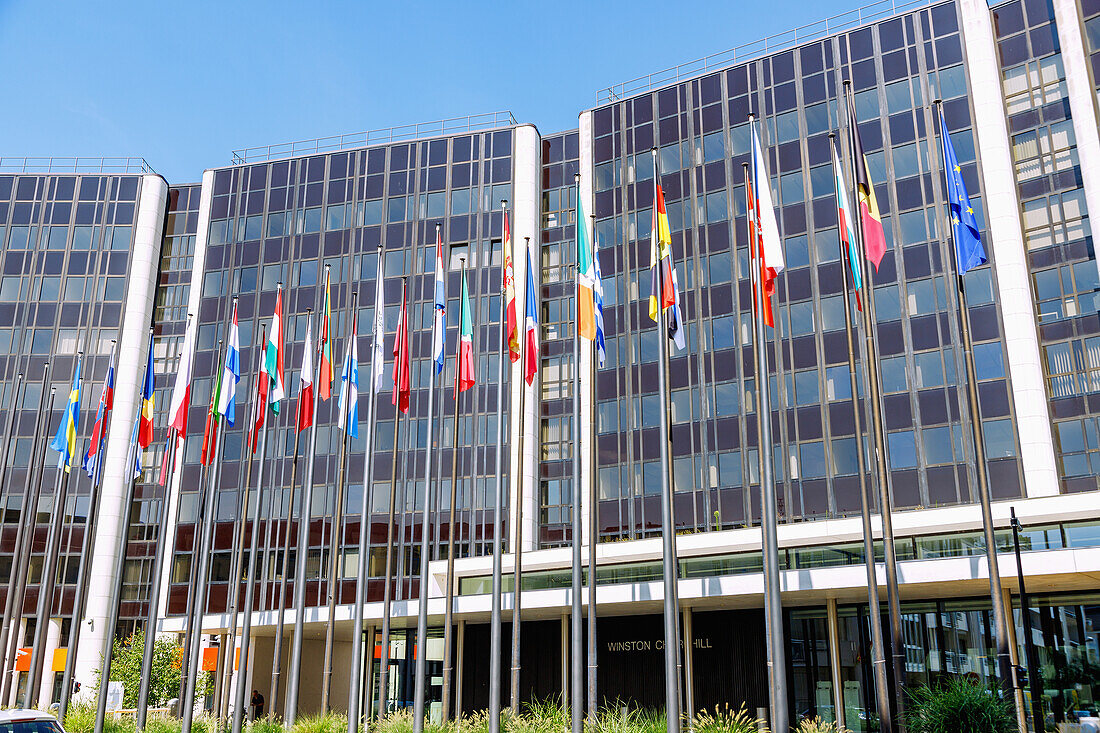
{"x": 969, "y": 252}
{"x": 65, "y": 440}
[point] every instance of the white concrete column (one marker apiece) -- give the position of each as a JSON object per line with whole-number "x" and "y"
{"x": 45, "y": 688}
{"x": 1082, "y": 100}
{"x": 194, "y": 297}
{"x": 526, "y": 212}
{"x": 585, "y": 437}
{"x": 1002, "y": 211}
{"x": 133, "y": 351}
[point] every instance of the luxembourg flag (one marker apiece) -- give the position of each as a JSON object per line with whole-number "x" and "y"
{"x": 531, "y": 326}
{"x": 349, "y": 387}
{"x": 440, "y": 328}
{"x": 231, "y": 373}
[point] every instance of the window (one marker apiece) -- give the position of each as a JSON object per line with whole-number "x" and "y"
{"x": 894, "y": 375}
{"x": 939, "y": 444}
{"x": 902, "y": 447}
{"x": 1034, "y": 84}
{"x": 556, "y": 438}
{"x": 1000, "y": 438}
{"x": 1078, "y": 446}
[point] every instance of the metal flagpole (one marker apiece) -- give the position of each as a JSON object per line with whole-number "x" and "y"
{"x": 1000, "y": 612}
{"x": 241, "y": 686}
{"x": 593, "y": 532}
{"x": 1035, "y": 680}
{"x": 576, "y": 642}
{"x": 671, "y": 570}
{"x": 517, "y": 497}
{"x": 355, "y": 685}
{"x": 495, "y": 631}
{"x": 32, "y": 492}
{"x": 387, "y": 591}
{"x": 448, "y": 608}
{"x": 305, "y": 505}
{"x": 200, "y": 577}
{"x": 336, "y": 537}
{"x": 897, "y": 646}
{"x": 773, "y": 608}
{"x": 878, "y": 655}
{"x": 49, "y": 575}
{"x": 17, "y": 393}
{"x": 111, "y": 621}
{"x": 425, "y": 546}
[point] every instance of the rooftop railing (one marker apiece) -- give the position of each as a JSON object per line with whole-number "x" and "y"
{"x": 399, "y": 133}
{"x": 755, "y": 49}
{"x": 54, "y": 164}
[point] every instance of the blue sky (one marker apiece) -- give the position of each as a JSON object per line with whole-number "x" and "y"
{"x": 182, "y": 84}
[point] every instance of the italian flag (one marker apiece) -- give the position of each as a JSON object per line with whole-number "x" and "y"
{"x": 273, "y": 363}
{"x": 465, "y": 377}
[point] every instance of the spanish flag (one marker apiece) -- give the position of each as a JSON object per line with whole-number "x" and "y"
{"x": 661, "y": 286}
{"x": 586, "y": 282}
{"x": 874, "y": 239}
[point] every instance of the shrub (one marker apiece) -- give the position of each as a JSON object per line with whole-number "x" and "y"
{"x": 817, "y": 725}
{"x": 725, "y": 719}
{"x": 959, "y": 706}
{"x": 327, "y": 723}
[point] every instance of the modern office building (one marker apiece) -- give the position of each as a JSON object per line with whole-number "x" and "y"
{"x": 93, "y": 256}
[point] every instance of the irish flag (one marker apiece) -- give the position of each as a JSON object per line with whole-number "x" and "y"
{"x": 465, "y": 377}
{"x": 586, "y": 308}
{"x": 274, "y": 358}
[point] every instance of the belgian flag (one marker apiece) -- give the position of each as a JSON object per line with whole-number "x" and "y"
{"x": 874, "y": 239}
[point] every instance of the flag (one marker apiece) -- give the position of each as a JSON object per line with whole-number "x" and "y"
{"x": 378, "y": 359}
{"x": 305, "y": 382}
{"x": 969, "y": 252}
{"x": 65, "y": 440}
{"x": 586, "y": 317}
{"x": 349, "y": 384}
{"x": 512, "y": 327}
{"x": 675, "y": 316}
{"x": 144, "y": 436}
{"x": 439, "y": 330}
{"x": 763, "y": 229}
{"x": 274, "y": 363}
{"x": 401, "y": 358}
{"x": 660, "y": 259}
{"x": 93, "y": 459}
{"x": 874, "y": 239}
{"x": 846, "y": 224}
{"x": 464, "y": 378}
{"x": 259, "y": 401}
{"x": 210, "y": 431}
{"x": 181, "y": 390}
{"x": 231, "y": 374}
{"x": 324, "y": 373}
{"x": 597, "y": 296}
{"x": 531, "y": 325}
{"x": 135, "y": 446}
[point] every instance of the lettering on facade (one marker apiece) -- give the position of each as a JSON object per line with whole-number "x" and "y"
{"x": 645, "y": 645}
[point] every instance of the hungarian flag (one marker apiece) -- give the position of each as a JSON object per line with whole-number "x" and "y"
{"x": 465, "y": 377}
{"x": 93, "y": 460}
{"x": 763, "y": 229}
{"x": 512, "y": 326}
{"x": 661, "y": 288}
{"x": 874, "y": 238}
{"x": 305, "y": 388}
{"x": 324, "y": 375}
{"x": 274, "y": 356}
{"x": 531, "y": 325}
{"x": 586, "y": 315}
{"x": 144, "y": 435}
{"x": 259, "y": 402}
{"x": 181, "y": 391}
{"x": 210, "y": 431}
{"x": 401, "y": 358}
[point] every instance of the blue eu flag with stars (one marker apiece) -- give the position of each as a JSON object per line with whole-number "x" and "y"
{"x": 969, "y": 252}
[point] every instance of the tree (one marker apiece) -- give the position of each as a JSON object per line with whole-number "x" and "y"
{"x": 164, "y": 682}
